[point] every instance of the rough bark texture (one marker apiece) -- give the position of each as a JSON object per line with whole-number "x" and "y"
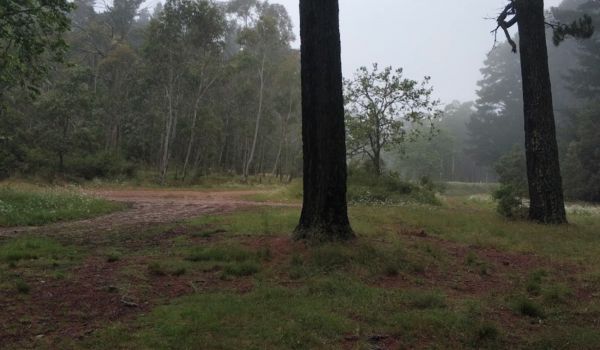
{"x": 324, "y": 211}
{"x": 543, "y": 168}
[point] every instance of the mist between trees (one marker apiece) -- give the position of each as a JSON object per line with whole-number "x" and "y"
{"x": 196, "y": 88}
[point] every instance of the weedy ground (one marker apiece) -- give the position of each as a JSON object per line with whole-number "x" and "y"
{"x": 447, "y": 276}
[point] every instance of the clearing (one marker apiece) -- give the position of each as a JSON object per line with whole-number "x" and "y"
{"x": 181, "y": 269}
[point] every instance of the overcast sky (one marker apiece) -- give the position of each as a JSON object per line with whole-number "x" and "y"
{"x": 447, "y": 40}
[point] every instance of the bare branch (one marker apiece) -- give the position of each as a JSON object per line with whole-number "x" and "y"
{"x": 503, "y": 24}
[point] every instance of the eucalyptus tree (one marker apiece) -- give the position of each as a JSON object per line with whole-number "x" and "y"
{"x": 205, "y": 66}
{"x": 265, "y": 41}
{"x": 177, "y": 38}
{"x": 324, "y": 209}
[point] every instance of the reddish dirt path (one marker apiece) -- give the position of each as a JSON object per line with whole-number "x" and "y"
{"x": 155, "y": 207}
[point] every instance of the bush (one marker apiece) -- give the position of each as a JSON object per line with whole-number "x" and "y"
{"x": 101, "y": 165}
{"x": 510, "y": 203}
{"x": 512, "y": 171}
{"x": 364, "y": 187}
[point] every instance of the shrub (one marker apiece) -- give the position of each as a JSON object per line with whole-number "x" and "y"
{"x": 365, "y": 187}
{"x": 101, "y": 165}
{"x": 528, "y": 308}
{"x": 510, "y": 203}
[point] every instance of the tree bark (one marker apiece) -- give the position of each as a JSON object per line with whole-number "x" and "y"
{"x": 543, "y": 168}
{"x": 324, "y": 211}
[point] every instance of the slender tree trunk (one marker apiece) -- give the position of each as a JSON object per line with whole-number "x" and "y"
{"x": 164, "y": 162}
{"x": 543, "y": 168}
{"x": 324, "y": 211}
{"x": 202, "y": 89}
{"x": 261, "y": 75}
{"x": 284, "y": 122}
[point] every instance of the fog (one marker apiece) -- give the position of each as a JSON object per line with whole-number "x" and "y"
{"x": 437, "y": 38}
{"x": 447, "y": 40}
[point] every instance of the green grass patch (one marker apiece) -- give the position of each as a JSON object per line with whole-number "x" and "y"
{"x": 28, "y": 257}
{"x": 264, "y": 221}
{"x": 222, "y": 253}
{"x": 455, "y": 189}
{"x": 318, "y": 315}
{"x": 26, "y": 206}
{"x": 33, "y": 248}
{"x": 289, "y": 193}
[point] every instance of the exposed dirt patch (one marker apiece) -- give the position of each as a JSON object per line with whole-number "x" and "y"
{"x": 154, "y": 207}
{"x": 93, "y": 294}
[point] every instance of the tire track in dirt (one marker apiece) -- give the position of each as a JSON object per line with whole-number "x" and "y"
{"x": 148, "y": 207}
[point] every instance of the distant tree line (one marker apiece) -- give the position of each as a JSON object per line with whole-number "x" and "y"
{"x": 204, "y": 87}
{"x": 193, "y": 88}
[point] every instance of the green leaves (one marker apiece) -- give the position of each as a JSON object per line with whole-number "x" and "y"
{"x": 30, "y": 40}
{"x": 582, "y": 28}
{"x": 384, "y": 110}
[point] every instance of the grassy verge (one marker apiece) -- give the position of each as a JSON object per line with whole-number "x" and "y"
{"x": 30, "y": 205}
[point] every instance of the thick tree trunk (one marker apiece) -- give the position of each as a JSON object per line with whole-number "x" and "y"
{"x": 324, "y": 211}
{"x": 543, "y": 168}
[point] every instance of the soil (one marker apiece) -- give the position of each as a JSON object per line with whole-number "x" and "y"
{"x": 154, "y": 207}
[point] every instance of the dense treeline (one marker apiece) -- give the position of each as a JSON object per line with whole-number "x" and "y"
{"x": 206, "y": 87}
{"x": 196, "y": 87}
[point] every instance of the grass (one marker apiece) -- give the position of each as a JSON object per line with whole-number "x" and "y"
{"x": 29, "y": 205}
{"x": 363, "y": 189}
{"x": 149, "y": 179}
{"x": 456, "y": 189}
{"x": 25, "y": 258}
{"x": 33, "y": 248}
{"x": 320, "y": 315}
{"x": 256, "y": 222}
{"x": 419, "y": 276}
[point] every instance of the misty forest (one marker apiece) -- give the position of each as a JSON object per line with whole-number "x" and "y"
{"x": 199, "y": 174}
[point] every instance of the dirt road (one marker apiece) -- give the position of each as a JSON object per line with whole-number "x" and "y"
{"x": 154, "y": 207}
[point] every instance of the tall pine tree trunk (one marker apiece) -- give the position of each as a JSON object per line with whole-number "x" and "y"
{"x": 324, "y": 211}
{"x": 543, "y": 168}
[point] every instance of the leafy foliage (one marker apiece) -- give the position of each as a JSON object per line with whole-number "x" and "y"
{"x": 510, "y": 203}
{"x": 384, "y": 110}
{"x": 582, "y": 164}
{"x": 30, "y": 39}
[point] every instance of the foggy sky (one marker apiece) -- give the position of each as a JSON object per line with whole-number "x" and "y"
{"x": 447, "y": 40}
